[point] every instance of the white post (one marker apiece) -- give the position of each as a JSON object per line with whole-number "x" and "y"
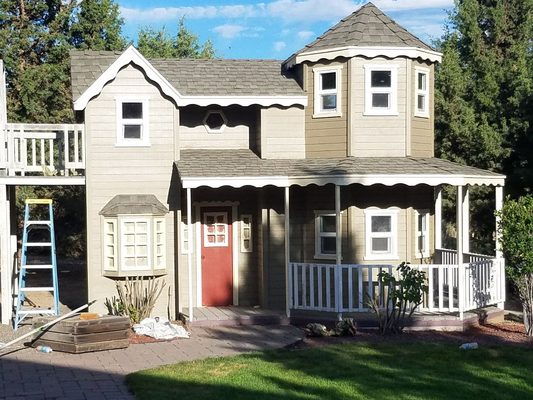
{"x": 438, "y": 217}
{"x": 498, "y": 250}
{"x": 338, "y": 249}
{"x": 3, "y": 117}
{"x": 287, "y": 251}
{"x": 460, "y": 241}
{"x": 6, "y": 259}
{"x": 189, "y": 250}
{"x": 466, "y": 220}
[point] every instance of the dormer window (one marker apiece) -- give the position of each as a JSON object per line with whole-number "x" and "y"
{"x": 132, "y": 122}
{"x": 422, "y": 92}
{"x": 327, "y": 99}
{"x": 381, "y": 95}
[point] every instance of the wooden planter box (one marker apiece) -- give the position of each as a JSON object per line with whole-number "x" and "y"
{"x": 73, "y": 335}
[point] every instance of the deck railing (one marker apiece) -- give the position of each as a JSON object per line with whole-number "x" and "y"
{"x": 42, "y": 149}
{"x": 348, "y": 287}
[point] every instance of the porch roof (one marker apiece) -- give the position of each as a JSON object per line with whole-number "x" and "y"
{"x": 242, "y": 167}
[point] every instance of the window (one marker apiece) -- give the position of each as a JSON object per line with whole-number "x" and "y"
{"x": 132, "y": 122}
{"x": 216, "y": 229}
{"x": 159, "y": 243}
{"x": 381, "y": 90}
{"x": 184, "y": 234}
{"x": 422, "y": 233}
{"x": 110, "y": 245}
{"x": 381, "y": 234}
{"x": 325, "y": 234}
{"x": 422, "y": 92}
{"x": 246, "y": 234}
{"x": 327, "y": 100}
{"x": 135, "y": 249}
{"x": 215, "y": 121}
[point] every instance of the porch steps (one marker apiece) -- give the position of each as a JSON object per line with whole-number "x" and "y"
{"x": 237, "y": 316}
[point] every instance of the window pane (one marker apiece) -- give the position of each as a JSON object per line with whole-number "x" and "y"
{"x": 380, "y": 100}
{"x": 327, "y": 223}
{"x": 381, "y": 223}
{"x": 421, "y": 100}
{"x": 132, "y": 110}
{"x": 421, "y": 222}
{"x": 142, "y": 227}
{"x": 329, "y": 102}
{"x": 421, "y": 81}
{"x": 132, "y": 131}
{"x": 381, "y": 78}
{"x": 328, "y": 245}
{"x": 381, "y": 245}
{"x": 329, "y": 80}
{"x": 421, "y": 244}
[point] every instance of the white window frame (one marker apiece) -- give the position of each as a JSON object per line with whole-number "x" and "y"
{"x": 224, "y": 123}
{"x": 144, "y": 122}
{"x": 318, "y": 112}
{"x": 107, "y": 243}
{"x": 184, "y": 234}
{"x": 392, "y": 91}
{"x": 392, "y": 254}
{"x": 319, "y": 234}
{"x": 246, "y": 224}
{"x": 421, "y": 92}
{"x": 162, "y": 244}
{"x": 422, "y": 233}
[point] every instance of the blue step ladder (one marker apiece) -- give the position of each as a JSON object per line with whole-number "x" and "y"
{"x": 47, "y": 225}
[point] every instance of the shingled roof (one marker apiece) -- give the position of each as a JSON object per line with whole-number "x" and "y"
{"x": 195, "y": 77}
{"x": 368, "y": 26}
{"x": 129, "y": 204}
{"x": 245, "y": 163}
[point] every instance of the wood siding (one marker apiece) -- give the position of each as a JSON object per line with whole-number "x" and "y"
{"x": 282, "y": 132}
{"x": 113, "y": 170}
{"x": 422, "y": 129}
{"x": 377, "y": 135}
{"x": 326, "y": 137}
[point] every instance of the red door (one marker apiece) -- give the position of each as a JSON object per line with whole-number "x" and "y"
{"x": 217, "y": 260}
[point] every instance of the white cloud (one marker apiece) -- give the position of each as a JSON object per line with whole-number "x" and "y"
{"x": 198, "y": 12}
{"x": 304, "y": 35}
{"x": 229, "y": 31}
{"x": 278, "y": 46}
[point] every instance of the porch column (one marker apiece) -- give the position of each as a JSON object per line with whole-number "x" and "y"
{"x": 189, "y": 251}
{"x": 466, "y": 219}
{"x": 338, "y": 250}
{"x": 460, "y": 242}
{"x": 287, "y": 252}
{"x": 498, "y": 250}
{"x": 438, "y": 217}
{"x": 6, "y": 256}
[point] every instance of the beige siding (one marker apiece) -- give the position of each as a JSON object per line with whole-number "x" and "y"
{"x": 422, "y": 129}
{"x": 326, "y": 136}
{"x": 236, "y": 134}
{"x": 374, "y": 135}
{"x": 115, "y": 170}
{"x": 282, "y": 132}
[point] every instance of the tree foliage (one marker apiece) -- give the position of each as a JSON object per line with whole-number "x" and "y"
{"x": 158, "y": 44}
{"x": 516, "y": 229}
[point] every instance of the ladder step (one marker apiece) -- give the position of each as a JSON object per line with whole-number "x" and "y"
{"x": 38, "y": 244}
{"x": 37, "y": 289}
{"x": 37, "y": 266}
{"x": 37, "y": 311}
{"x": 47, "y": 222}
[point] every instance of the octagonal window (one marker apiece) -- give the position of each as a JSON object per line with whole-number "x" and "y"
{"x": 215, "y": 121}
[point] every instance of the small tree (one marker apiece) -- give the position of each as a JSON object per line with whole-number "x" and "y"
{"x": 516, "y": 229}
{"x": 401, "y": 296}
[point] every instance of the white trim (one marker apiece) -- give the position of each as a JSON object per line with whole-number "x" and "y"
{"x": 392, "y": 91}
{"x": 342, "y": 180}
{"x": 162, "y": 245}
{"x": 43, "y": 180}
{"x": 391, "y": 212}
{"x": 422, "y": 232}
{"x": 243, "y": 227}
{"x": 144, "y": 122}
{"x": 114, "y": 245}
{"x": 422, "y": 92}
{"x": 318, "y": 235}
{"x": 132, "y": 55}
{"x": 365, "y": 51}
{"x": 224, "y": 121}
{"x": 318, "y": 112}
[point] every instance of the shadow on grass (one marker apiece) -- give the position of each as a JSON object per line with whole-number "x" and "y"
{"x": 354, "y": 371}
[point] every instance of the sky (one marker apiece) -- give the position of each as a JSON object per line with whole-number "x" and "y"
{"x": 272, "y": 28}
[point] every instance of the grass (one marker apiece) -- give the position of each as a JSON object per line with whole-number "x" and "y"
{"x": 354, "y": 371}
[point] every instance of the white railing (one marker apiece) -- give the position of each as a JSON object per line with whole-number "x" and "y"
{"x": 348, "y": 287}
{"x": 447, "y": 256}
{"x": 43, "y": 149}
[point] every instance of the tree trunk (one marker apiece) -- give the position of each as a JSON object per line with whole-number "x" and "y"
{"x": 526, "y": 296}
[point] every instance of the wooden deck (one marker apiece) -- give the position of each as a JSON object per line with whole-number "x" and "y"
{"x": 233, "y": 316}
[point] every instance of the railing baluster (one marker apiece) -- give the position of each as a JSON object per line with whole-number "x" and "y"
{"x": 360, "y": 287}
{"x": 312, "y": 285}
{"x": 304, "y": 286}
{"x": 66, "y": 154}
{"x": 431, "y": 301}
{"x": 295, "y": 289}
{"x": 76, "y": 147}
{"x": 350, "y": 288}
{"x": 319, "y": 278}
{"x": 450, "y": 288}
{"x": 43, "y": 157}
{"x": 328, "y": 287}
{"x": 370, "y": 288}
{"x": 33, "y": 153}
{"x": 51, "y": 151}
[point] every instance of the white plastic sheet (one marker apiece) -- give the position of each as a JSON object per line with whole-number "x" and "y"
{"x": 160, "y": 328}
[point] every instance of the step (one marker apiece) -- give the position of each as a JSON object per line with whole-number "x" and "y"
{"x": 37, "y": 244}
{"x": 38, "y": 223}
{"x": 38, "y": 289}
{"x": 37, "y": 266}
{"x": 37, "y": 311}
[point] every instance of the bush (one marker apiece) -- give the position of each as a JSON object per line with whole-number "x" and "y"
{"x": 401, "y": 297}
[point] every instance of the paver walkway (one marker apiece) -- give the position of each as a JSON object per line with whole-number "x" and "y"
{"x": 28, "y": 374}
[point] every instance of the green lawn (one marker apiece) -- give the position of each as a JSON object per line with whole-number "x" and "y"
{"x": 354, "y": 371}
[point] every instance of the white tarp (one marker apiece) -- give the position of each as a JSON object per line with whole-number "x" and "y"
{"x": 160, "y": 328}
